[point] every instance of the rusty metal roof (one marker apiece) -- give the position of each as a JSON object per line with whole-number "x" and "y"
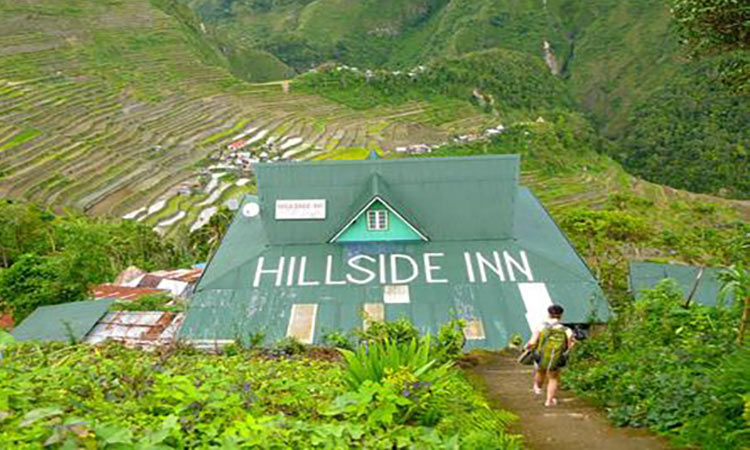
{"x": 6, "y": 321}
{"x": 149, "y": 281}
{"x": 124, "y": 292}
{"x": 137, "y": 328}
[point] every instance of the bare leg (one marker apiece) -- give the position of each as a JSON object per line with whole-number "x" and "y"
{"x": 539, "y": 377}
{"x": 554, "y": 379}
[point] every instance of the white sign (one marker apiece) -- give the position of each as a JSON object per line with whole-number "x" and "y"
{"x": 300, "y": 209}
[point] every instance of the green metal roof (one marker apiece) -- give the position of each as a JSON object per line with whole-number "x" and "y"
{"x": 62, "y": 322}
{"x": 445, "y": 198}
{"x": 646, "y": 275}
{"x": 240, "y": 294}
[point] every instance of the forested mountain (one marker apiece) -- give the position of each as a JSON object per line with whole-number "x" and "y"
{"x": 672, "y": 118}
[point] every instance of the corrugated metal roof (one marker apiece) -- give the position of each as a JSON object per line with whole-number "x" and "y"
{"x": 137, "y": 328}
{"x": 646, "y": 275}
{"x": 447, "y": 198}
{"x": 6, "y": 321}
{"x": 227, "y": 305}
{"x": 62, "y": 322}
{"x": 149, "y": 281}
{"x": 124, "y": 292}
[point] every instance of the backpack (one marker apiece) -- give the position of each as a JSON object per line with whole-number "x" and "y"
{"x": 553, "y": 343}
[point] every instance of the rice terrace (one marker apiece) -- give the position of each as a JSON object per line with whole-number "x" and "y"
{"x": 417, "y": 224}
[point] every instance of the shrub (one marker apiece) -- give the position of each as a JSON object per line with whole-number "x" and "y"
{"x": 337, "y": 339}
{"x": 451, "y": 339}
{"x": 154, "y": 302}
{"x": 375, "y": 360}
{"x": 111, "y": 397}
{"x": 674, "y": 368}
{"x": 288, "y": 346}
{"x": 400, "y": 331}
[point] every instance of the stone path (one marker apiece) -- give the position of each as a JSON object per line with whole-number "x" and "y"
{"x": 572, "y": 424}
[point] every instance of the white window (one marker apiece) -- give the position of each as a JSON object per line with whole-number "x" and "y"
{"x": 396, "y": 293}
{"x": 377, "y": 220}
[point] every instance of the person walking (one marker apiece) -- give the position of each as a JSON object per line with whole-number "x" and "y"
{"x": 550, "y": 343}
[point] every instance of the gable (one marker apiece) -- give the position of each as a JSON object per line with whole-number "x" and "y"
{"x": 446, "y": 199}
{"x": 397, "y": 229}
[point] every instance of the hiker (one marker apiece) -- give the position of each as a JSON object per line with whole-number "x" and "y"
{"x": 550, "y": 343}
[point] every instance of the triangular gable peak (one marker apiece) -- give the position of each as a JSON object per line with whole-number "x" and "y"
{"x": 378, "y": 221}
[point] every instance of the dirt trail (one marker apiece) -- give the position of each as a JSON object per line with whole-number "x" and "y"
{"x": 572, "y": 424}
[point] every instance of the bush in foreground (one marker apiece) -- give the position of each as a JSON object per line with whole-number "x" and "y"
{"x": 674, "y": 368}
{"x": 111, "y": 397}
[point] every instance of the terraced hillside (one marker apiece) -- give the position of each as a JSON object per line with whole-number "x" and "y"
{"x": 111, "y": 106}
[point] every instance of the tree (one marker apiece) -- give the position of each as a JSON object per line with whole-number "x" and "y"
{"x": 207, "y": 238}
{"x": 713, "y": 25}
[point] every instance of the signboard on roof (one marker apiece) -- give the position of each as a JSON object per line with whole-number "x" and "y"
{"x": 314, "y": 209}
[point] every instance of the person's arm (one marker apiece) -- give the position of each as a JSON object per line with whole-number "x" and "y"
{"x": 571, "y": 339}
{"x": 534, "y": 339}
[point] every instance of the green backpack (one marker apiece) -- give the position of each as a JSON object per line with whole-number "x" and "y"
{"x": 553, "y": 342}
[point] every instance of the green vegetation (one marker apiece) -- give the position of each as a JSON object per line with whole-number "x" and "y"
{"x": 691, "y": 133}
{"x": 20, "y": 138}
{"x": 622, "y": 62}
{"x": 47, "y": 259}
{"x": 153, "y": 302}
{"x": 713, "y": 25}
{"x": 672, "y": 367}
{"x": 111, "y": 397}
{"x": 507, "y": 82}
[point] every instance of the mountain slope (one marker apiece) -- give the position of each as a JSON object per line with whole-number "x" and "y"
{"x": 619, "y": 59}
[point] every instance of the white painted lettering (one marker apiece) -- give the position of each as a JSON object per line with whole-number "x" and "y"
{"x": 301, "y": 280}
{"x": 469, "y": 267}
{"x": 353, "y": 264}
{"x": 259, "y": 271}
{"x": 329, "y": 273}
{"x": 381, "y": 260}
{"x": 524, "y": 268}
{"x": 394, "y": 269}
{"x": 429, "y": 268}
{"x": 290, "y": 271}
{"x": 484, "y": 264}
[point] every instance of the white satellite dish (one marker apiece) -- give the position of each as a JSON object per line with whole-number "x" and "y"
{"x": 251, "y": 210}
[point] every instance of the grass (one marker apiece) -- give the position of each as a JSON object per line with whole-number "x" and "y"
{"x": 236, "y": 128}
{"x": 346, "y": 154}
{"x": 24, "y": 136}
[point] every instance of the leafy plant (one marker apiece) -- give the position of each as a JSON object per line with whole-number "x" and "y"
{"x": 736, "y": 280}
{"x": 152, "y": 302}
{"x": 675, "y": 369}
{"x": 451, "y": 339}
{"x": 373, "y": 361}
{"x": 338, "y": 339}
{"x": 112, "y": 397}
{"x": 399, "y": 331}
{"x": 288, "y": 346}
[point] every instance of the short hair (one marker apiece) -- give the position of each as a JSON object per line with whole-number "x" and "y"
{"x": 555, "y": 311}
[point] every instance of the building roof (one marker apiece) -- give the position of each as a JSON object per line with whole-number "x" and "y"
{"x": 647, "y": 275}
{"x": 502, "y": 282}
{"x": 136, "y": 328}
{"x": 446, "y": 198}
{"x": 124, "y": 292}
{"x": 62, "y": 322}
